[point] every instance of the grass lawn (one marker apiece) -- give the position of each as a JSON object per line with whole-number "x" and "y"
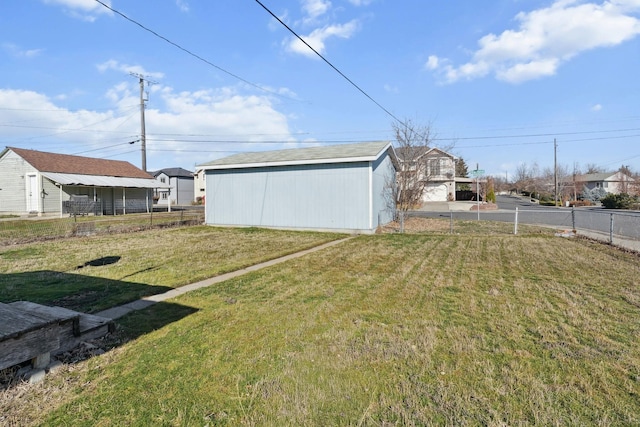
{"x": 56, "y": 272}
{"x": 380, "y": 330}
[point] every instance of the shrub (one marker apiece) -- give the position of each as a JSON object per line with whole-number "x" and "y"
{"x": 491, "y": 196}
{"x": 619, "y": 201}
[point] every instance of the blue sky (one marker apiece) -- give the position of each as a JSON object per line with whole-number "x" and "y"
{"x": 499, "y": 80}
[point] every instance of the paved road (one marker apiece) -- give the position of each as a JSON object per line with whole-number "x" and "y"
{"x": 595, "y": 220}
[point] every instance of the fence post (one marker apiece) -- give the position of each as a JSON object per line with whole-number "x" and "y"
{"x": 611, "y": 228}
{"x": 573, "y": 218}
{"x": 515, "y": 223}
{"x": 401, "y": 221}
{"x": 450, "y": 222}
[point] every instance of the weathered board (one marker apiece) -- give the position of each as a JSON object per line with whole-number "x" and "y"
{"x": 25, "y": 335}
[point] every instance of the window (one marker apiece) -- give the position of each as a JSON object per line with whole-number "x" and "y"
{"x": 433, "y": 167}
{"x": 605, "y": 184}
{"x": 164, "y": 195}
{"x": 163, "y": 179}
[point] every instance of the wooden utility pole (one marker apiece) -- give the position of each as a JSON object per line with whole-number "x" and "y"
{"x": 143, "y": 133}
{"x": 555, "y": 172}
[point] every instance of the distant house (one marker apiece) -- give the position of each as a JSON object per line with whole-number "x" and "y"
{"x": 199, "y": 185}
{"x": 179, "y": 186}
{"x": 338, "y": 187}
{"x": 439, "y": 171}
{"x": 48, "y": 183}
{"x": 611, "y": 182}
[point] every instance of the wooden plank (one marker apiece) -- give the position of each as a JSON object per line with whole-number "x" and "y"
{"x": 14, "y": 321}
{"x": 59, "y": 314}
{"x": 29, "y": 345}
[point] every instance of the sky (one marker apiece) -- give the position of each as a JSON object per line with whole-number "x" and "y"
{"x": 495, "y": 82}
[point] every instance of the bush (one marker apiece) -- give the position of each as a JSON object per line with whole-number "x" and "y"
{"x": 619, "y": 201}
{"x": 491, "y": 196}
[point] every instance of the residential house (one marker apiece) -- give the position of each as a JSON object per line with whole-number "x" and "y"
{"x": 338, "y": 187}
{"x": 179, "y": 186}
{"x": 437, "y": 169}
{"x": 37, "y": 182}
{"x": 611, "y": 182}
{"x": 199, "y": 186}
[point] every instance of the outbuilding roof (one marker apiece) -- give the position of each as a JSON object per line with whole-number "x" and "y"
{"x": 344, "y": 153}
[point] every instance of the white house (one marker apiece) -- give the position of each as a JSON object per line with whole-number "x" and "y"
{"x": 179, "y": 186}
{"x": 37, "y": 182}
{"x": 439, "y": 170}
{"x": 338, "y": 187}
{"x": 199, "y": 185}
{"x": 611, "y": 182}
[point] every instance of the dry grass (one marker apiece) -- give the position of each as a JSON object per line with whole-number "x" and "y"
{"x": 381, "y": 330}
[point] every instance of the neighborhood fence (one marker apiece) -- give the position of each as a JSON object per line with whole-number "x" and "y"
{"x": 619, "y": 228}
{"x": 13, "y": 231}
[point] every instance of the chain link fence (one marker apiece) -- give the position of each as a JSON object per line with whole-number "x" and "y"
{"x": 620, "y": 228}
{"x": 14, "y": 231}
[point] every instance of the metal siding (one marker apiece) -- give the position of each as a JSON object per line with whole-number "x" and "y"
{"x": 326, "y": 196}
{"x": 383, "y": 208}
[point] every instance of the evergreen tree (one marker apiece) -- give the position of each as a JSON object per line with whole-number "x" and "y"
{"x": 461, "y": 168}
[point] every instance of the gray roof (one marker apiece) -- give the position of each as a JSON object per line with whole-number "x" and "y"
{"x": 597, "y": 177}
{"x": 412, "y": 153}
{"x": 174, "y": 172}
{"x": 366, "y": 151}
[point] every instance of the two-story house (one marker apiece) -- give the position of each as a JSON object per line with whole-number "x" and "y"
{"x": 436, "y": 169}
{"x": 179, "y": 184}
{"x": 611, "y": 182}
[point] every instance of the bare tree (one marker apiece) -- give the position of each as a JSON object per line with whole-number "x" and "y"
{"x": 593, "y": 168}
{"x": 412, "y": 143}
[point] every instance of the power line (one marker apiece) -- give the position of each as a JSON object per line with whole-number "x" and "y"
{"x": 329, "y": 63}
{"x": 188, "y": 52}
{"x": 531, "y": 135}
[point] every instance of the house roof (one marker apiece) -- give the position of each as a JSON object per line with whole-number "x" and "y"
{"x": 606, "y": 176}
{"x": 68, "y": 164}
{"x": 414, "y": 152}
{"x": 102, "y": 181}
{"x": 174, "y": 173}
{"x": 344, "y": 153}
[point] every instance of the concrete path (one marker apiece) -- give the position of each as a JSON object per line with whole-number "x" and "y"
{"x": 119, "y": 311}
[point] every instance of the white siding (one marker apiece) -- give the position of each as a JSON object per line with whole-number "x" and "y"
{"x": 13, "y": 183}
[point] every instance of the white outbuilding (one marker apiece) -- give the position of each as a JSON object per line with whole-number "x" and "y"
{"x": 338, "y": 188}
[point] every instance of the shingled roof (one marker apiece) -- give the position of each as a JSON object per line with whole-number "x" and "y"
{"x": 343, "y": 153}
{"x": 65, "y": 163}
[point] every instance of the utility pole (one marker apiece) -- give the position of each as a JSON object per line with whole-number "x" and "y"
{"x": 555, "y": 172}
{"x": 143, "y": 133}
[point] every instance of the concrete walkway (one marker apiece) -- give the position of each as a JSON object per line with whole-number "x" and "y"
{"x": 119, "y": 311}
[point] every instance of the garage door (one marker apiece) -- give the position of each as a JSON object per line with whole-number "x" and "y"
{"x": 435, "y": 193}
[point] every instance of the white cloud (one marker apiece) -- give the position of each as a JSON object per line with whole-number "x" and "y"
{"x": 360, "y": 2}
{"x": 114, "y": 65}
{"x": 318, "y": 37}
{"x": 596, "y": 107}
{"x": 183, "y": 5}
{"x": 391, "y": 89}
{"x": 82, "y": 9}
{"x": 315, "y": 8}
{"x": 545, "y": 39}
{"x": 16, "y": 51}
{"x": 433, "y": 62}
{"x": 213, "y": 114}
